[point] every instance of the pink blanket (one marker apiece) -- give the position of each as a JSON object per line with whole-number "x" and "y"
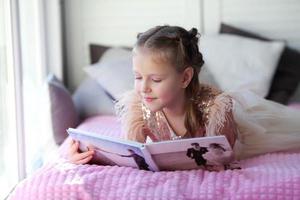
{"x": 270, "y": 176}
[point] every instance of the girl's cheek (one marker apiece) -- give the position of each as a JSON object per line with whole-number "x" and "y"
{"x": 164, "y": 93}
{"x": 137, "y": 86}
{"x": 168, "y": 93}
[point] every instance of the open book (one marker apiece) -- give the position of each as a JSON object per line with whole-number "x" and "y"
{"x": 183, "y": 154}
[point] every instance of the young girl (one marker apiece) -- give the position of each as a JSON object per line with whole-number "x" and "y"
{"x": 169, "y": 103}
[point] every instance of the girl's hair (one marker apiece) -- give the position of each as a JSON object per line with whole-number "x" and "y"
{"x": 180, "y": 48}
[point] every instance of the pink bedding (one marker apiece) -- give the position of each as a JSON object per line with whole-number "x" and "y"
{"x": 270, "y": 176}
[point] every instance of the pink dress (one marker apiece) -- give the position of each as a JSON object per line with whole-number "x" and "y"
{"x": 252, "y": 124}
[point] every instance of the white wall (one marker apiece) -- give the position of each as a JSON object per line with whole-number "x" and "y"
{"x": 277, "y": 19}
{"x": 116, "y": 22}
{"x": 53, "y": 37}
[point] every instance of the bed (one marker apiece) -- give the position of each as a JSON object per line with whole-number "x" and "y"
{"x": 90, "y": 107}
{"x": 270, "y": 176}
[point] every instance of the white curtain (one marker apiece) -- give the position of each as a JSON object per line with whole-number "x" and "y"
{"x": 40, "y": 30}
{"x": 8, "y": 136}
{"x": 30, "y": 48}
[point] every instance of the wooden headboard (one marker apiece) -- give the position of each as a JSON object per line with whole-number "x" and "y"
{"x": 96, "y": 52}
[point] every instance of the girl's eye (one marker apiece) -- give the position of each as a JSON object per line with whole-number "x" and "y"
{"x": 156, "y": 80}
{"x": 138, "y": 78}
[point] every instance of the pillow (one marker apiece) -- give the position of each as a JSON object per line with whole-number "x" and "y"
{"x": 238, "y": 62}
{"x": 90, "y": 99}
{"x": 113, "y": 71}
{"x": 206, "y": 77}
{"x": 287, "y": 75}
{"x": 63, "y": 112}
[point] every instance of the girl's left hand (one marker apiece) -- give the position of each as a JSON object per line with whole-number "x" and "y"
{"x": 76, "y": 157}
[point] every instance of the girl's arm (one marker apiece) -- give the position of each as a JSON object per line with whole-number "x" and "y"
{"x": 221, "y": 120}
{"x": 129, "y": 109}
{"x": 229, "y": 128}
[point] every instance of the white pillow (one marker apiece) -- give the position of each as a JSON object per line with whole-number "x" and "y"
{"x": 90, "y": 99}
{"x": 241, "y": 63}
{"x": 206, "y": 77}
{"x": 113, "y": 72}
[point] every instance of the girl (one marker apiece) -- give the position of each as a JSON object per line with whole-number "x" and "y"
{"x": 169, "y": 103}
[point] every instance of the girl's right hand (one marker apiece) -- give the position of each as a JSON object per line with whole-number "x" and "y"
{"x": 79, "y": 158}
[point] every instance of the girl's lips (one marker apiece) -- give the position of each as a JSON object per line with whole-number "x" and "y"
{"x": 149, "y": 99}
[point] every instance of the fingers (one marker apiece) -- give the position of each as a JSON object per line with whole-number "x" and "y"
{"x": 83, "y": 155}
{"x": 84, "y": 160}
{"x": 79, "y": 158}
{"x": 74, "y": 145}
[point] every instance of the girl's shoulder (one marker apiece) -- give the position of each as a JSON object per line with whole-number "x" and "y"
{"x": 206, "y": 95}
{"x": 128, "y": 103}
{"x": 128, "y": 108}
{"x": 128, "y": 98}
{"x": 211, "y": 102}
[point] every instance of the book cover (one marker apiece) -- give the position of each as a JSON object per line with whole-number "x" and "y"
{"x": 193, "y": 153}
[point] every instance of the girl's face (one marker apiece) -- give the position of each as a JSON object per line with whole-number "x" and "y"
{"x": 156, "y": 81}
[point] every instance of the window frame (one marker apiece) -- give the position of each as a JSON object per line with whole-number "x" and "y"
{"x": 18, "y": 90}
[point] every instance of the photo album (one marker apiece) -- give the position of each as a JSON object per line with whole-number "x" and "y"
{"x": 213, "y": 152}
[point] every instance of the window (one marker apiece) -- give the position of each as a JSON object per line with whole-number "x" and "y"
{"x": 33, "y": 50}
{"x": 8, "y": 122}
{"x": 25, "y": 131}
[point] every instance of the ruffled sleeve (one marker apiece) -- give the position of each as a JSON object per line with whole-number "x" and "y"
{"x": 220, "y": 118}
{"x": 129, "y": 110}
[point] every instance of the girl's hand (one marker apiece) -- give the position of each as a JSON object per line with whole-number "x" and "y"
{"x": 79, "y": 158}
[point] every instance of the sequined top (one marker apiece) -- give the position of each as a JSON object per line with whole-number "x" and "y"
{"x": 205, "y": 100}
{"x": 157, "y": 123}
{"x": 139, "y": 122}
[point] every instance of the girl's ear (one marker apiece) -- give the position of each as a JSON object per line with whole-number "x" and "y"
{"x": 187, "y": 76}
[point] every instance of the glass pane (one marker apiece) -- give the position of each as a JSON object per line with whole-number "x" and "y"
{"x": 37, "y": 127}
{"x": 8, "y": 140}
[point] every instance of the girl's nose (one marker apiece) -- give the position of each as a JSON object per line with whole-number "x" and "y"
{"x": 145, "y": 87}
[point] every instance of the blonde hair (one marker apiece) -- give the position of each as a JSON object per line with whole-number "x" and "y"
{"x": 180, "y": 48}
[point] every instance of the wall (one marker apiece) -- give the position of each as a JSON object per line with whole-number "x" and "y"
{"x": 117, "y": 22}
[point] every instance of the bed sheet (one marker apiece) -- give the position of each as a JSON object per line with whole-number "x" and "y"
{"x": 270, "y": 176}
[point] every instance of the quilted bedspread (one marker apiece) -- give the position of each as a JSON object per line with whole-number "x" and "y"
{"x": 270, "y": 176}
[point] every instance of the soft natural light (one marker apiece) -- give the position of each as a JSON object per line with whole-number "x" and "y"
{"x": 8, "y": 137}
{"x": 25, "y": 132}
{"x": 37, "y": 130}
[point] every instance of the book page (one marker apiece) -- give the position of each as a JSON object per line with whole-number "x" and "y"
{"x": 111, "y": 151}
{"x": 192, "y": 153}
